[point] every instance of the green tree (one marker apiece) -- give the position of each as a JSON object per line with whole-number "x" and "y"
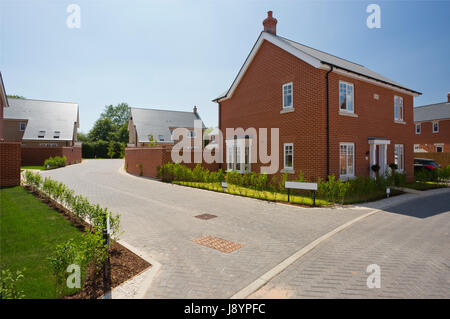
{"x": 104, "y": 129}
{"x": 15, "y": 96}
{"x": 118, "y": 114}
{"x": 123, "y": 134}
{"x": 82, "y": 137}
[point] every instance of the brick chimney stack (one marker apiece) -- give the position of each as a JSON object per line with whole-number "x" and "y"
{"x": 448, "y": 97}
{"x": 270, "y": 24}
{"x": 195, "y": 109}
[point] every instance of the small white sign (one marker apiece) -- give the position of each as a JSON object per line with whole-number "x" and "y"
{"x": 224, "y": 185}
{"x": 301, "y": 185}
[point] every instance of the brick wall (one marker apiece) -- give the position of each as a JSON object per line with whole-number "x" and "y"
{"x": 9, "y": 164}
{"x": 442, "y": 158}
{"x": 427, "y": 139}
{"x": 32, "y": 155}
{"x": 257, "y": 102}
{"x": 152, "y": 157}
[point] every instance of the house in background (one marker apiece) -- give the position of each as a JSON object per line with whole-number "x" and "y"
{"x": 44, "y": 128}
{"x": 432, "y": 127}
{"x": 334, "y": 116}
{"x": 160, "y": 124}
{"x": 9, "y": 151}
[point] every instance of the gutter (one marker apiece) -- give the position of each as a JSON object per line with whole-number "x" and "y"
{"x": 328, "y": 120}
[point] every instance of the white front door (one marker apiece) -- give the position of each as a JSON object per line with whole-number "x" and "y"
{"x": 378, "y": 155}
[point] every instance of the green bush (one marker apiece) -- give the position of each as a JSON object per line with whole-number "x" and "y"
{"x": 98, "y": 149}
{"x": 55, "y": 162}
{"x": 8, "y": 285}
{"x": 116, "y": 149}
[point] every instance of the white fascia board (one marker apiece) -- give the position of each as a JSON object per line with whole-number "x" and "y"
{"x": 279, "y": 43}
{"x": 336, "y": 69}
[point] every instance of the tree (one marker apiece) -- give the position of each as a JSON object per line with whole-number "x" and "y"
{"x": 82, "y": 137}
{"x": 104, "y": 129}
{"x": 123, "y": 134}
{"x": 15, "y": 96}
{"x": 118, "y": 114}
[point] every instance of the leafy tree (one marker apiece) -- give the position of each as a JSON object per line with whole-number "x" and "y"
{"x": 104, "y": 129}
{"x": 123, "y": 134}
{"x": 152, "y": 140}
{"x": 82, "y": 137}
{"x": 118, "y": 114}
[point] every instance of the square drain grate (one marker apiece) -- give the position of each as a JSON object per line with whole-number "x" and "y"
{"x": 219, "y": 244}
{"x": 205, "y": 216}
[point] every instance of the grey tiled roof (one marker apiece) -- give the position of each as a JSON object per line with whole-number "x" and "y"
{"x": 45, "y": 116}
{"x": 159, "y": 122}
{"x": 432, "y": 112}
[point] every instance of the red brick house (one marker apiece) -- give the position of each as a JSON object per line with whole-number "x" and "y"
{"x": 432, "y": 127}
{"x": 334, "y": 116}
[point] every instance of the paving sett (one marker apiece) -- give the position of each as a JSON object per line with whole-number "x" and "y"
{"x": 410, "y": 243}
{"x": 159, "y": 219}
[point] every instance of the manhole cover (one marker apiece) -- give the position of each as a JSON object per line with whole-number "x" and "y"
{"x": 205, "y": 216}
{"x": 219, "y": 244}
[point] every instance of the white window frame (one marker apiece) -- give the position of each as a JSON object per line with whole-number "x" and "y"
{"x": 347, "y": 84}
{"x": 416, "y": 148}
{"x": 419, "y": 126}
{"x": 347, "y": 174}
{"x": 24, "y": 126}
{"x": 41, "y": 134}
{"x": 432, "y": 126}
{"x": 439, "y": 145}
{"x": 291, "y": 94}
{"x": 56, "y": 134}
{"x": 160, "y": 139}
{"x": 396, "y": 100}
{"x": 284, "y": 156}
{"x": 399, "y": 149}
{"x": 192, "y": 134}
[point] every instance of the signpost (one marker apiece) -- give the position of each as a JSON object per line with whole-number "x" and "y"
{"x": 301, "y": 185}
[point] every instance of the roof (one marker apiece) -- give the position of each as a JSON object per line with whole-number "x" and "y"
{"x": 4, "y": 101}
{"x": 159, "y": 122}
{"x": 316, "y": 58}
{"x": 432, "y": 112}
{"x": 45, "y": 116}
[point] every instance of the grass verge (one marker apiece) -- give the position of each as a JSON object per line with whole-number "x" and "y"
{"x": 39, "y": 167}
{"x": 30, "y": 231}
{"x": 422, "y": 186}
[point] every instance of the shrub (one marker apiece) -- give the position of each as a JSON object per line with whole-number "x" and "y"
{"x": 8, "y": 285}
{"x": 98, "y": 149}
{"x": 55, "y": 162}
{"x": 116, "y": 149}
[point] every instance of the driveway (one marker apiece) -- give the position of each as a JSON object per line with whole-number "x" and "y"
{"x": 159, "y": 219}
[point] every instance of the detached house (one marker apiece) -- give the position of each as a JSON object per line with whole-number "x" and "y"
{"x": 432, "y": 127}
{"x": 44, "y": 128}
{"x": 159, "y": 124}
{"x": 334, "y": 116}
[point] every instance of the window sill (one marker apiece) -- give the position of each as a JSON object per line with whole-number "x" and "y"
{"x": 399, "y": 122}
{"x": 343, "y": 113}
{"x": 287, "y": 110}
{"x": 288, "y": 170}
{"x": 346, "y": 177}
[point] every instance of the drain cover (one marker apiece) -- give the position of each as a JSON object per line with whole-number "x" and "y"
{"x": 206, "y": 216}
{"x": 219, "y": 244}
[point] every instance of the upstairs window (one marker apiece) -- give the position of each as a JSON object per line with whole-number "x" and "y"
{"x": 287, "y": 95}
{"x": 418, "y": 128}
{"x": 41, "y": 134}
{"x": 22, "y": 126}
{"x": 398, "y": 108}
{"x": 192, "y": 134}
{"x": 56, "y": 134}
{"x": 435, "y": 127}
{"x": 161, "y": 138}
{"x": 346, "y": 97}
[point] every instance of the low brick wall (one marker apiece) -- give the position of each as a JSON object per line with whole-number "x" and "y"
{"x": 9, "y": 164}
{"x": 32, "y": 155}
{"x": 145, "y": 160}
{"x": 442, "y": 158}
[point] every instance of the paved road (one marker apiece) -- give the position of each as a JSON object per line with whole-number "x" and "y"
{"x": 158, "y": 218}
{"x": 410, "y": 242}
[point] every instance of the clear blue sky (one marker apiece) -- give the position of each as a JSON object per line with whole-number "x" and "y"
{"x": 176, "y": 54}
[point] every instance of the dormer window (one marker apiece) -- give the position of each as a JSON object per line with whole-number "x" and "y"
{"x": 41, "y": 134}
{"x": 56, "y": 134}
{"x": 161, "y": 138}
{"x": 22, "y": 126}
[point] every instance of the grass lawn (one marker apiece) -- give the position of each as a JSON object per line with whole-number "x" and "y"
{"x": 422, "y": 186}
{"x": 243, "y": 191}
{"x": 39, "y": 167}
{"x": 29, "y": 232}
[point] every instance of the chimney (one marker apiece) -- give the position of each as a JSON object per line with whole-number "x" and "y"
{"x": 270, "y": 24}
{"x": 195, "y": 109}
{"x": 448, "y": 97}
